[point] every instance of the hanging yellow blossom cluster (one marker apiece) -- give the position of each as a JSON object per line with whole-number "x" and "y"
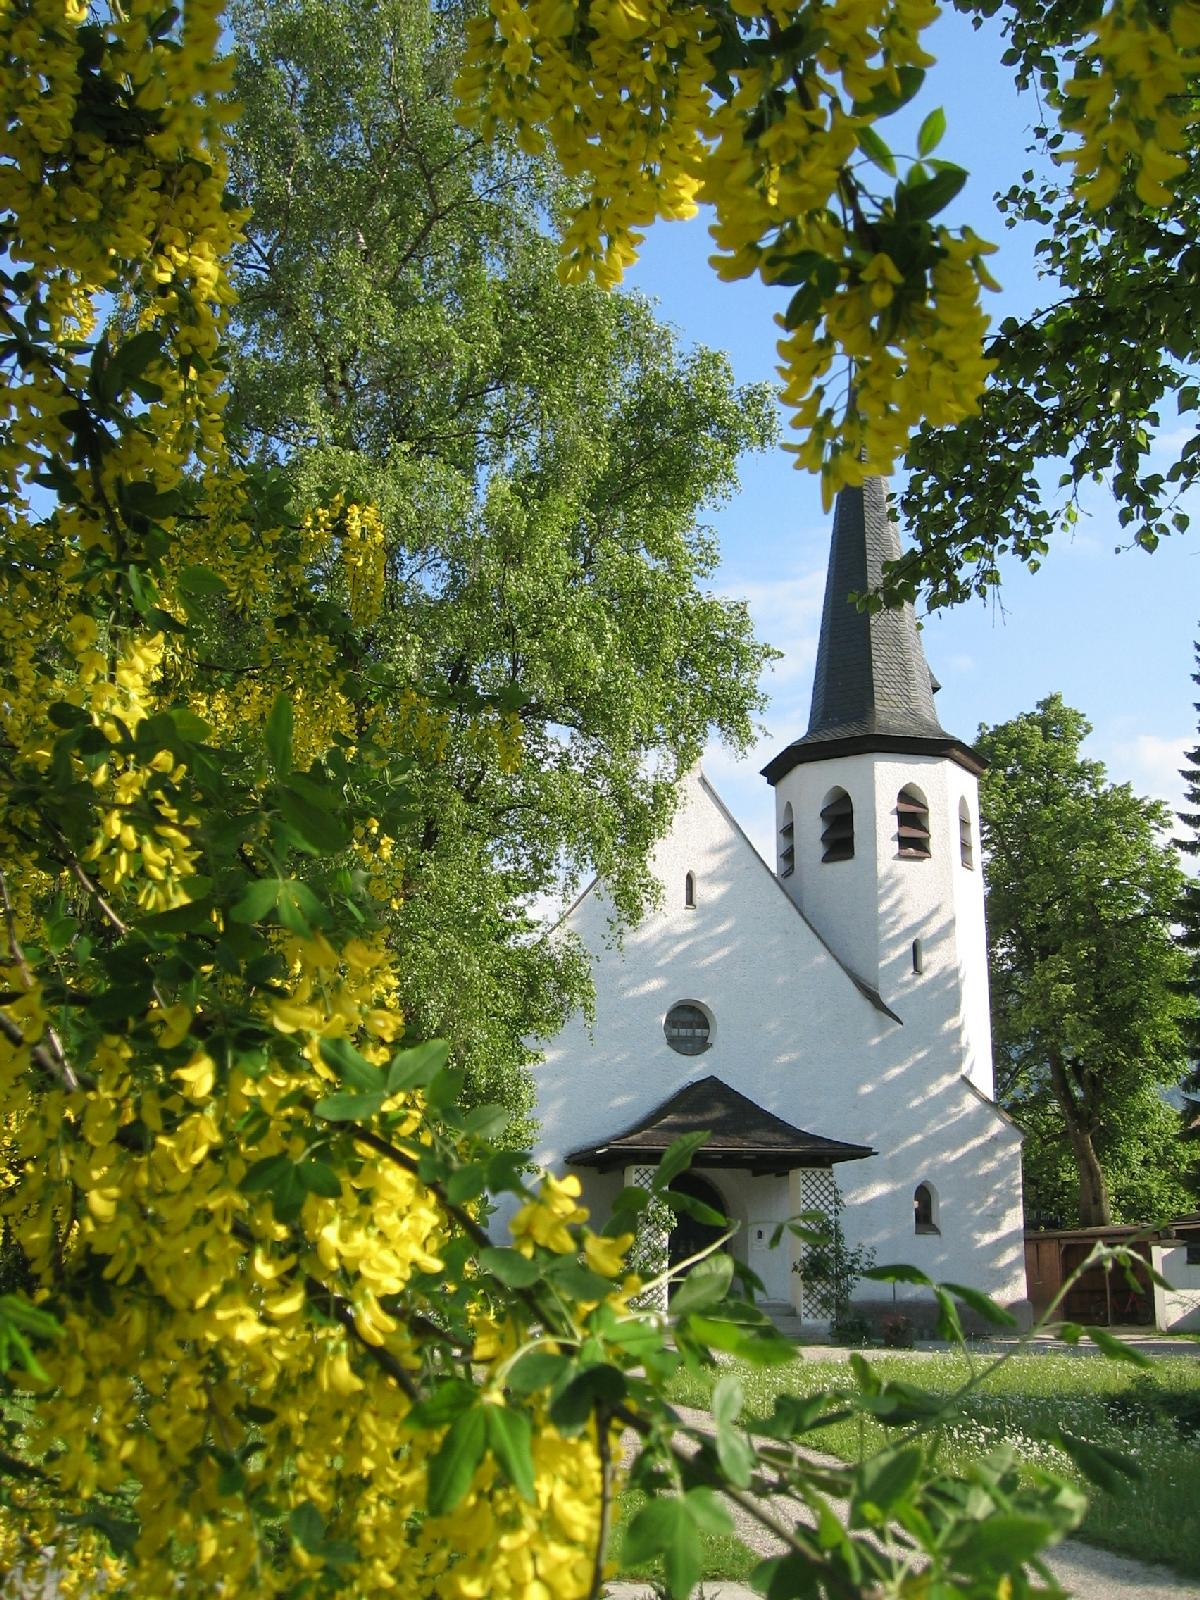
{"x": 767, "y": 111}
{"x": 762, "y": 114}
{"x": 229, "y": 1176}
{"x": 1132, "y": 101}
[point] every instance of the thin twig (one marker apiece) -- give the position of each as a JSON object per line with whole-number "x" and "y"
{"x": 55, "y": 1056}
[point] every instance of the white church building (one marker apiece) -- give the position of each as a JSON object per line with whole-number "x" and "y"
{"x": 826, "y": 1022}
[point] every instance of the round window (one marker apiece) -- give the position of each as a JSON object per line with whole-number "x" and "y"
{"x": 686, "y": 1028}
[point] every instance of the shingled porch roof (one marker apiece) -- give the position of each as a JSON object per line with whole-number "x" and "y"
{"x": 741, "y": 1134}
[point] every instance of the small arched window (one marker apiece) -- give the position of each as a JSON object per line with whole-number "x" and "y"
{"x": 837, "y": 833}
{"x": 787, "y": 843}
{"x": 912, "y": 824}
{"x": 925, "y": 1209}
{"x": 689, "y": 891}
{"x": 966, "y": 843}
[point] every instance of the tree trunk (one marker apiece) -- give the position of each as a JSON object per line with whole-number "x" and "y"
{"x": 1094, "y": 1211}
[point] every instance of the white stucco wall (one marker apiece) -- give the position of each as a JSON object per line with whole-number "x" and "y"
{"x": 793, "y": 1032}
{"x": 870, "y": 909}
{"x": 1176, "y": 1308}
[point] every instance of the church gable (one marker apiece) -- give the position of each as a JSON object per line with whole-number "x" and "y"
{"x": 717, "y": 892}
{"x": 724, "y": 977}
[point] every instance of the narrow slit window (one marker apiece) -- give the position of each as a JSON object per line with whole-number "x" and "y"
{"x": 924, "y": 1220}
{"x": 918, "y": 956}
{"x": 966, "y": 844}
{"x": 787, "y": 843}
{"x": 689, "y": 891}
{"x": 837, "y": 832}
{"x": 912, "y": 825}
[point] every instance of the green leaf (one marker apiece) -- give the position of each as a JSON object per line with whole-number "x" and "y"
{"x": 677, "y": 1158}
{"x": 307, "y": 1526}
{"x": 321, "y": 832}
{"x": 257, "y": 901}
{"x": 736, "y": 1340}
{"x": 634, "y": 1200}
{"x": 577, "y": 1282}
{"x": 485, "y": 1122}
{"x": 536, "y": 1369}
{"x": 949, "y": 1323}
{"x": 573, "y": 1404}
{"x": 804, "y": 305}
{"x": 450, "y": 1399}
{"x": 926, "y": 199}
{"x": 1004, "y": 1542}
{"x": 690, "y": 1206}
{"x": 875, "y": 150}
{"x": 708, "y": 1512}
{"x": 885, "y": 1478}
{"x": 346, "y": 1107}
{"x": 728, "y": 1398}
{"x": 883, "y": 99}
{"x": 287, "y": 1195}
{"x": 1116, "y": 1348}
{"x": 299, "y": 909}
{"x": 280, "y": 725}
{"x": 1098, "y": 1463}
{"x": 510, "y": 1437}
{"x": 350, "y": 1064}
{"x": 509, "y": 1266}
{"x": 664, "y": 1528}
{"x": 197, "y": 580}
{"x": 445, "y": 1088}
{"x": 706, "y": 1284}
{"x": 417, "y": 1065}
{"x": 453, "y": 1467}
{"x": 319, "y": 1178}
{"x": 932, "y": 132}
{"x": 899, "y": 1272}
{"x": 983, "y": 1305}
{"x": 466, "y": 1183}
{"x": 736, "y": 1455}
{"x": 265, "y": 1174}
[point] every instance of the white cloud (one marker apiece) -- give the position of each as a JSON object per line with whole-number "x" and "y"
{"x": 1150, "y": 763}
{"x": 787, "y": 615}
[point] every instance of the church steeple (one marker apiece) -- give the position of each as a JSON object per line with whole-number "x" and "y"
{"x": 872, "y": 689}
{"x": 871, "y": 671}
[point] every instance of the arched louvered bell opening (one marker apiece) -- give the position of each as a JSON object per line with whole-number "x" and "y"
{"x": 912, "y": 825}
{"x": 787, "y": 843}
{"x": 837, "y": 835}
{"x": 966, "y": 845}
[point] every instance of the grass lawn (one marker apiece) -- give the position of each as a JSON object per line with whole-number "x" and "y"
{"x": 1152, "y": 1414}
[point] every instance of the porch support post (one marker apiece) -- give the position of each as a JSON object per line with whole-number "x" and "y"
{"x": 794, "y": 1248}
{"x": 650, "y": 1251}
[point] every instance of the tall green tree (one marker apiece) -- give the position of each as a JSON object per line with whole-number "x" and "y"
{"x": 1099, "y": 379}
{"x": 1087, "y": 1009}
{"x": 1189, "y": 924}
{"x": 540, "y": 454}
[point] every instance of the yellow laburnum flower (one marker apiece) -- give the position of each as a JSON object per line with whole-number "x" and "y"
{"x": 606, "y": 1256}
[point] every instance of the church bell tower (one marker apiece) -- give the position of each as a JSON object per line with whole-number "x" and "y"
{"x": 877, "y": 806}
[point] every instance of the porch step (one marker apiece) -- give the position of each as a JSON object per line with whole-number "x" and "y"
{"x": 783, "y": 1315}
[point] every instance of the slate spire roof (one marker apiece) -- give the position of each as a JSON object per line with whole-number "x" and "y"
{"x": 873, "y": 689}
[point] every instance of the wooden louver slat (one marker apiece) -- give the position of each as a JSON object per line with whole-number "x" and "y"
{"x": 837, "y": 837}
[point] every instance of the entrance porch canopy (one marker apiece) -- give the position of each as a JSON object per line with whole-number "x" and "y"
{"x": 740, "y": 1134}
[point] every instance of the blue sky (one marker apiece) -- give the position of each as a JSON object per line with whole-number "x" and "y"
{"x": 1112, "y": 632}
